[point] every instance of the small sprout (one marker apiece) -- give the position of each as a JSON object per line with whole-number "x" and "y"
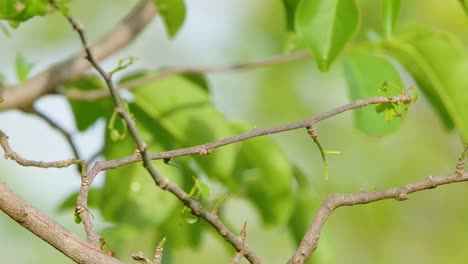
{"x": 123, "y": 64}
{"x": 314, "y": 135}
{"x": 218, "y": 203}
{"x": 115, "y": 135}
{"x": 188, "y": 216}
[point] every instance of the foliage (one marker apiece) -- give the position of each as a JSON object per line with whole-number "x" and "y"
{"x": 178, "y": 112}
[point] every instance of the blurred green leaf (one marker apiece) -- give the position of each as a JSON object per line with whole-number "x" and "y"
{"x": 173, "y": 14}
{"x": 464, "y": 4}
{"x": 87, "y": 113}
{"x": 438, "y": 62}
{"x": 17, "y": 11}
{"x": 391, "y": 10}
{"x": 290, "y": 9}
{"x": 129, "y": 194}
{"x": 365, "y": 73}
{"x": 181, "y": 233}
{"x": 185, "y": 112}
{"x": 203, "y": 188}
{"x": 198, "y": 79}
{"x": 22, "y": 68}
{"x": 326, "y": 26}
{"x": 267, "y": 176}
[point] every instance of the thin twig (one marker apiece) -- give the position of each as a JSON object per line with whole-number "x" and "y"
{"x": 10, "y": 154}
{"x": 131, "y": 85}
{"x": 203, "y": 148}
{"x": 22, "y": 96}
{"x": 311, "y": 238}
{"x": 68, "y": 137}
{"x": 164, "y": 184}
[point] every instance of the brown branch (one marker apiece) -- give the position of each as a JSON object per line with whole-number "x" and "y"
{"x": 310, "y": 240}
{"x": 10, "y": 154}
{"x": 243, "y": 235}
{"x": 204, "y": 148}
{"x": 71, "y": 69}
{"x": 131, "y": 85}
{"x": 164, "y": 184}
{"x": 49, "y": 231}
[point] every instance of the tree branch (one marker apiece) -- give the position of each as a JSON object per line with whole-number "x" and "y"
{"x": 23, "y": 96}
{"x": 132, "y": 85}
{"x": 10, "y": 154}
{"x": 160, "y": 181}
{"x": 310, "y": 240}
{"x": 204, "y": 148}
{"x": 49, "y": 231}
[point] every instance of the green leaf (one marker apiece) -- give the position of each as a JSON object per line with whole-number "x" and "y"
{"x": 87, "y": 113}
{"x": 390, "y": 12}
{"x": 22, "y": 10}
{"x": 203, "y": 188}
{"x": 464, "y": 4}
{"x": 290, "y": 9}
{"x": 267, "y": 176}
{"x": 438, "y": 62}
{"x": 173, "y": 14}
{"x": 365, "y": 74}
{"x": 326, "y": 26}
{"x": 129, "y": 194}
{"x": 198, "y": 79}
{"x": 187, "y": 116}
{"x": 22, "y": 68}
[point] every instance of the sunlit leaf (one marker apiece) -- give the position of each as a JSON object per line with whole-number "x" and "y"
{"x": 326, "y": 26}
{"x": 173, "y": 14}
{"x": 365, "y": 75}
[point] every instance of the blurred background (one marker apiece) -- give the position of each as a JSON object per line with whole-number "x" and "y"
{"x": 428, "y": 228}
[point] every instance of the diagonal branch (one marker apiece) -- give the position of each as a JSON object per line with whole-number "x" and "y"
{"x": 159, "y": 180}
{"x": 310, "y": 240}
{"x": 132, "y": 85}
{"x": 49, "y": 231}
{"x": 205, "y": 148}
{"x": 23, "y": 96}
